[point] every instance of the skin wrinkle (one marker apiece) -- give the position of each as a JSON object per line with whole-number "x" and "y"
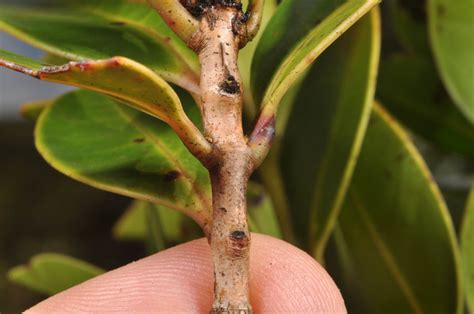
{"x": 284, "y": 279}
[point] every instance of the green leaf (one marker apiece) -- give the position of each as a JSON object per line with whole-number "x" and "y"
{"x": 173, "y": 226}
{"x": 104, "y": 29}
{"x": 97, "y": 141}
{"x": 396, "y": 245}
{"x": 450, "y": 26}
{"x": 428, "y": 111}
{"x": 32, "y": 110}
{"x": 119, "y": 77}
{"x": 155, "y": 238}
{"x": 261, "y": 211}
{"x": 177, "y": 228}
{"x": 423, "y": 110}
{"x": 407, "y": 21}
{"x": 132, "y": 224}
{"x": 122, "y": 78}
{"x": 246, "y": 56}
{"x": 49, "y": 58}
{"x": 467, "y": 250}
{"x": 297, "y": 34}
{"x": 326, "y": 128}
{"x": 286, "y": 28}
{"x": 19, "y": 63}
{"x": 51, "y": 273}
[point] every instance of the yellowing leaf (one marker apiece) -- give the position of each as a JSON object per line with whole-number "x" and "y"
{"x": 103, "y": 29}
{"x": 119, "y": 77}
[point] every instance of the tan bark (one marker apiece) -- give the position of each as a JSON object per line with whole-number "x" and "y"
{"x": 222, "y": 32}
{"x": 217, "y": 43}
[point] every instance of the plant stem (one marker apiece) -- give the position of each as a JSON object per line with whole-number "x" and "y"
{"x": 230, "y": 237}
{"x": 217, "y": 43}
{"x": 222, "y": 32}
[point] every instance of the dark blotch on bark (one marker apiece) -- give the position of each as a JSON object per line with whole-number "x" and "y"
{"x": 230, "y": 85}
{"x": 230, "y": 3}
{"x": 237, "y": 235}
{"x": 199, "y": 7}
{"x": 196, "y": 7}
{"x": 239, "y": 244}
{"x": 245, "y": 17}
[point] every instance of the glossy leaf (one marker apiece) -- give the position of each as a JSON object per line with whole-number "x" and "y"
{"x": 325, "y": 130}
{"x": 467, "y": 250}
{"x": 450, "y": 25}
{"x": 97, "y": 141}
{"x": 51, "y": 273}
{"x": 292, "y": 42}
{"x": 104, "y": 29}
{"x": 395, "y": 241}
{"x": 425, "y": 110}
{"x": 122, "y": 78}
{"x": 174, "y": 226}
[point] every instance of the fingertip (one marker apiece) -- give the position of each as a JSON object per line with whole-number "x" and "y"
{"x": 286, "y": 279}
{"x": 174, "y": 280}
{"x": 283, "y": 279}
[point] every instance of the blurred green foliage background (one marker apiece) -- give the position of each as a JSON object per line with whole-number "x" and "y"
{"x": 41, "y": 210}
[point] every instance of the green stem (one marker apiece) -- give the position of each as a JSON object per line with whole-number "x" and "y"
{"x": 177, "y": 17}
